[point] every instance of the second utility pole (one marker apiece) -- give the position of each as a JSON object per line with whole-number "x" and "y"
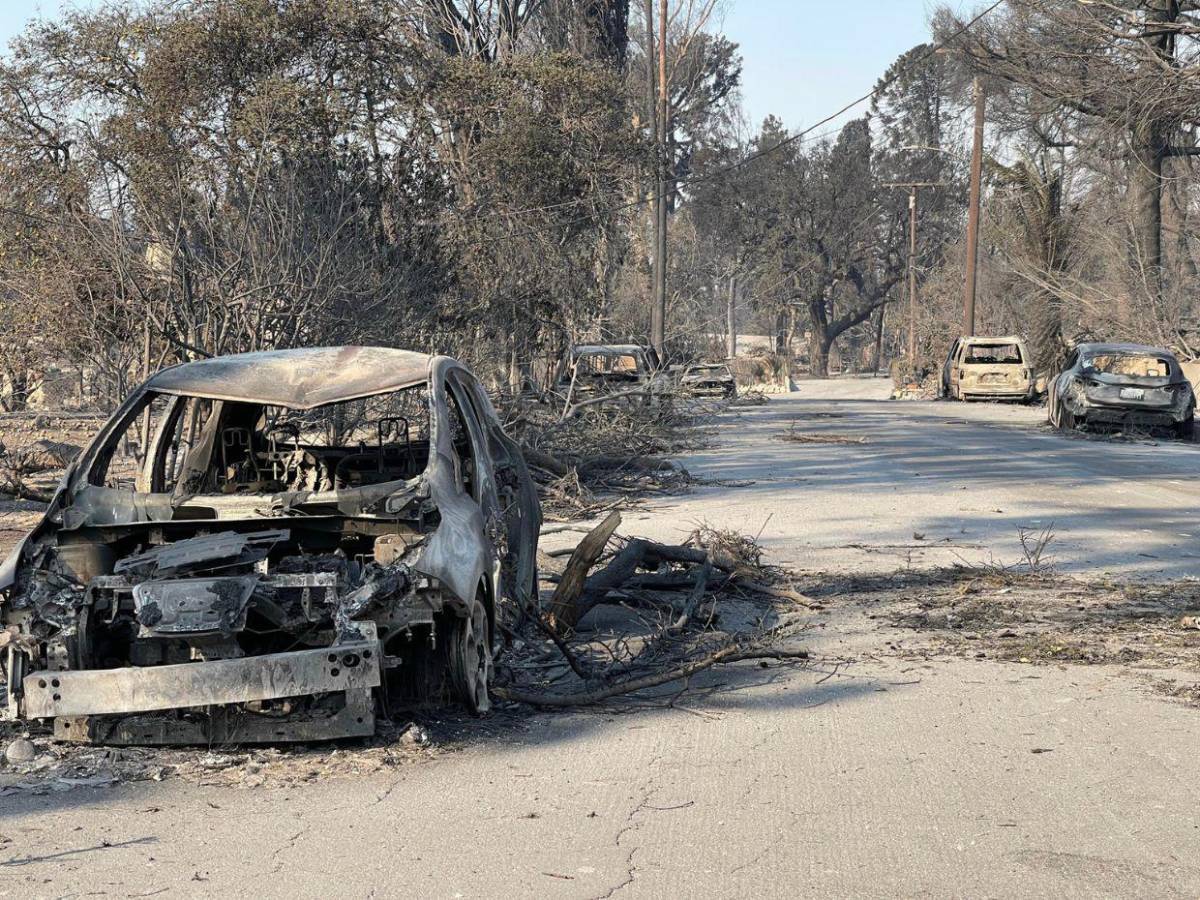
{"x": 658, "y": 318}
{"x": 912, "y": 277}
{"x": 973, "y": 215}
{"x": 912, "y": 258}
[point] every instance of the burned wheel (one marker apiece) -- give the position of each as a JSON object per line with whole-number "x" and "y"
{"x": 1186, "y": 430}
{"x": 471, "y": 660}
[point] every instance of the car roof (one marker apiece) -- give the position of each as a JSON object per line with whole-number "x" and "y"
{"x": 606, "y": 349}
{"x": 299, "y": 379}
{"x": 1003, "y": 339}
{"x": 1122, "y": 348}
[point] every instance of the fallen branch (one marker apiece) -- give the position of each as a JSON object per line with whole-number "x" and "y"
{"x": 545, "y": 461}
{"x": 780, "y": 593}
{"x": 695, "y": 598}
{"x": 571, "y": 658}
{"x": 564, "y": 609}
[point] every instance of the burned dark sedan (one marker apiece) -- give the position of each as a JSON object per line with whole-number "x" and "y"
{"x": 266, "y": 547}
{"x": 1122, "y": 384}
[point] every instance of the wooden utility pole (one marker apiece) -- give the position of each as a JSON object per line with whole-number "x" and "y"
{"x": 658, "y": 319}
{"x": 731, "y": 319}
{"x": 973, "y": 214}
{"x": 912, "y": 277}
{"x": 912, "y": 258}
{"x": 656, "y": 193}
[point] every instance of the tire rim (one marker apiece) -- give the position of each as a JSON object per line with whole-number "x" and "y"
{"x": 475, "y": 660}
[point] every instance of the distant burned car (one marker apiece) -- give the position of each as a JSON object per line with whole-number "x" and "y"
{"x": 598, "y": 373}
{"x": 708, "y": 380}
{"x": 988, "y": 368}
{"x": 1122, "y": 384}
{"x": 304, "y": 532}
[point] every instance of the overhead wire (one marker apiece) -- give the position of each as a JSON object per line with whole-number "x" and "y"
{"x": 883, "y": 84}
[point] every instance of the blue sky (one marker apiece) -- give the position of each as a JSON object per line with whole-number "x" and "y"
{"x": 803, "y": 58}
{"x": 15, "y": 13}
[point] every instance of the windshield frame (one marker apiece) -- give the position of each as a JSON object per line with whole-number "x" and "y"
{"x": 1086, "y": 368}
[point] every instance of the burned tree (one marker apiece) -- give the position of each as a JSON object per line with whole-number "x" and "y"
{"x": 1120, "y": 66}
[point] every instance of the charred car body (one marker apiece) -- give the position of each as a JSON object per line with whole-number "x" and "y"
{"x": 988, "y": 368}
{"x": 708, "y": 380}
{"x": 599, "y": 373}
{"x": 1122, "y": 384}
{"x": 296, "y": 534}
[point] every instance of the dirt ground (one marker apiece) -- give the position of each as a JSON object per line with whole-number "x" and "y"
{"x": 1148, "y": 632}
{"x": 19, "y": 431}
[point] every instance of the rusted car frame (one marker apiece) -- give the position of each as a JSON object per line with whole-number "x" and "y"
{"x": 307, "y": 532}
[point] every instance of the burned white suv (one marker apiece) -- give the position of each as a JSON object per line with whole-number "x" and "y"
{"x": 262, "y": 547}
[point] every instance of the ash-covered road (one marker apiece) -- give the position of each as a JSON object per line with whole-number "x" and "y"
{"x": 887, "y": 771}
{"x": 939, "y": 483}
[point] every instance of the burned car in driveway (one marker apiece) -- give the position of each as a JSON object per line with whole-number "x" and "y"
{"x": 708, "y": 380}
{"x": 268, "y": 546}
{"x": 1122, "y": 384}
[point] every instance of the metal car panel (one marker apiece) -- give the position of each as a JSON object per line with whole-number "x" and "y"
{"x": 350, "y": 666}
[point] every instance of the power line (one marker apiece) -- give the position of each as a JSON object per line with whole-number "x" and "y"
{"x": 800, "y": 135}
{"x": 759, "y": 154}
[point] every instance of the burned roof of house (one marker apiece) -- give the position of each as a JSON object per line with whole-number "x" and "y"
{"x": 298, "y": 379}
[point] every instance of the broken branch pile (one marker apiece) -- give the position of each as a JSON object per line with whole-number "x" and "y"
{"x": 668, "y": 602}
{"x": 605, "y": 457}
{"x": 43, "y": 458}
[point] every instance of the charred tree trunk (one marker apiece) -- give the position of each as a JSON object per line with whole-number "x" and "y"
{"x": 1046, "y": 315}
{"x": 819, "y": 342}
{"x": 781, "y": 333}
{"x": 1148, "y": 148}
{"x": 877, "y": 356}
{"x": 609, "y": 21}
{"x": 18, "y": 383}
{"x": 1145, "y": 204}
{"x": 1179, "y": 266}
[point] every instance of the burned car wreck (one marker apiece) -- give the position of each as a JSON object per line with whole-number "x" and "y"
{"x": 270, "y": 547}
{"x": 1124, "y": 385}
{"x": 591, "y": 374}
{"x": 709, "y": 380}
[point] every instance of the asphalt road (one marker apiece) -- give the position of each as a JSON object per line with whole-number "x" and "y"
{"x": 887, "y": 777}
{"x": 936, "y": 483}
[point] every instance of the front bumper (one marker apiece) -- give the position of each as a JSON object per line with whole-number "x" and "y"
{"x": 711, "y": 389}
{"x": 978, "y": 394}
{"x": 114, "y": 704}
{"x": 1001, "y": 390}
{"x": 132, "y": 689}
{"x": 1127, "y": 416}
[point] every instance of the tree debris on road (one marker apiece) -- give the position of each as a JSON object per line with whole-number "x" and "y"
{"x": 670, "y": 600}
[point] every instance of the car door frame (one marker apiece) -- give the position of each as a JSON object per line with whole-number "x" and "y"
{"x": 954, "y": 380}
{"x": 948, "y": 365}
{"x": 511, "y": 502}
